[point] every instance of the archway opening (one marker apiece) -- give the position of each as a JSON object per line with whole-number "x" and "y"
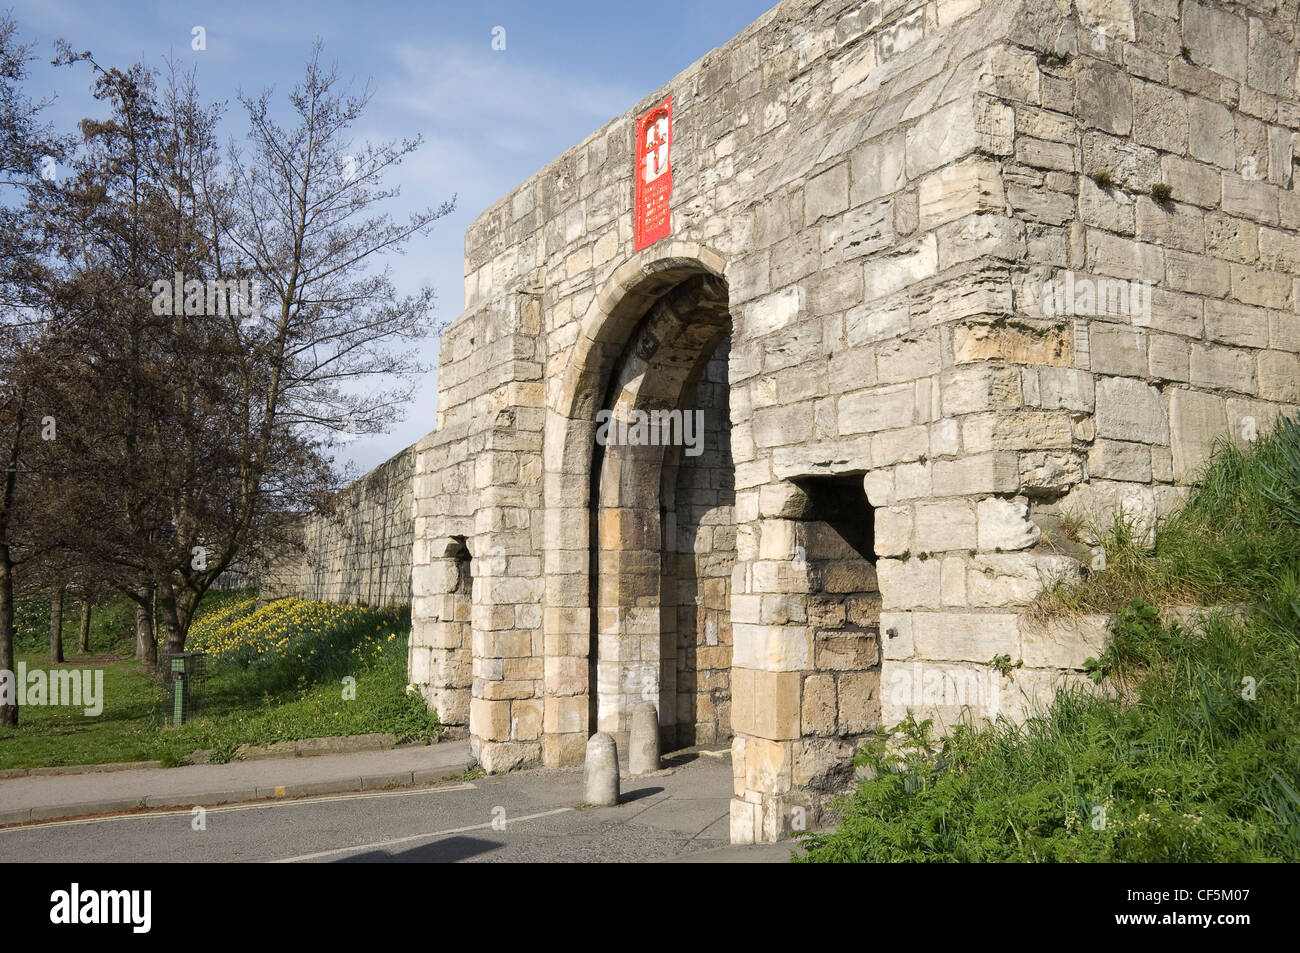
{"x": 663, "y": 523}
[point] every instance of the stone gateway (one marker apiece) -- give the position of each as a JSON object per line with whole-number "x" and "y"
{"x": 874, "y": 209}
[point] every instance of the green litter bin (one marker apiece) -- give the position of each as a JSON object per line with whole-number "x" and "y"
{"x": 186, "y": 672}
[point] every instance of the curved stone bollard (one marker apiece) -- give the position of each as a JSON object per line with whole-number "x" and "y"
{"x": 600, "y": 773}
{"x": 643, "y": 748}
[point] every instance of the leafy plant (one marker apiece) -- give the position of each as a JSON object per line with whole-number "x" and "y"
{"x": 1004, "y": 664}
{"x": 223, "y": 752}
{"x": 1096, "y": 668}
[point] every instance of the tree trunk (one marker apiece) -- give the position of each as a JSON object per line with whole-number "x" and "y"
{"x": 83, "y": 641}
{"x": 143, "y": 599}
{"x": 146, "y": 645}
{"x": 8, "y": 712}
{"x": 175, "y": 640}
{"x": 9, "y": 706}
{"x": 56, "y": 626}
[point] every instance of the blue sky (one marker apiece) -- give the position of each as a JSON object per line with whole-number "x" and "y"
{"x": 489, "y": 118}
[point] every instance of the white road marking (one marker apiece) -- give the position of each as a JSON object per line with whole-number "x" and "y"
{"x": 414, "y": 837}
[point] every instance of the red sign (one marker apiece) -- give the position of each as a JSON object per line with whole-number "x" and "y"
{"x": 654, "y": 174}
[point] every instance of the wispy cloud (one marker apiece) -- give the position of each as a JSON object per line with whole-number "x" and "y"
{"x": 508, "y": 103}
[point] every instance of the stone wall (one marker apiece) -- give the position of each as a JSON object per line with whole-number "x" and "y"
{"x": 875, "y": 203}
{"x": 359, "y": 551}
{"x": 700, "y": 535}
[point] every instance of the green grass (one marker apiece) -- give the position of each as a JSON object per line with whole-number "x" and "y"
{"x": 1195, "y": 756}
{"x": 252, "y": 697}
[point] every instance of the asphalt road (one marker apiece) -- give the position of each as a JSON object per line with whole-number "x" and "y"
{"x": 680, "y": 813}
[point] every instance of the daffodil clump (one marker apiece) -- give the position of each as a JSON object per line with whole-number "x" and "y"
{"x": 221, "y": 620}
{"x": 307, "y": 634}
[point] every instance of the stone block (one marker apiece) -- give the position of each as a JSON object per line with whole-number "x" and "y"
{"x": 819, "y": 704}
{"x": 1064, "y": 643}
{"x": 886, "y": 274}
{"x": 1130, "y": 410}
{"x": 1279, "y": 376}
{"x": 1196, "y": 420}
{"x": 972, "y": 185}
{"x": 1215, "y": 38}
{"x": 859, "y": 702}
{"x": 909, "y": 583}
{"x": 976, "y": 475}
{"x": 1014, "y": 579}
{"x": 1004, "y": 525}
{"x": 965, "y": 636}
{"x": 1117, "y": 460}
{"x": 489, "y": 719}
{"x": 765, "y": 704}
{"x": 944, "y": 526}
{"x": 885, "y": 408}
{"x": 1223, "y": 367}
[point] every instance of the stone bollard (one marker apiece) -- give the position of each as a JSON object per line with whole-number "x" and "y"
{"x": 600, "y": 773}
{"x": 643, "y": 748}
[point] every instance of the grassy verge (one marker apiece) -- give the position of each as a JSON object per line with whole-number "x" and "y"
{"x": 1198, "y": 756}
{"x": 275, "y": 674}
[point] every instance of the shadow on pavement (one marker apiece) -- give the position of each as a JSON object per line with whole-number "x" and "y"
{"x": 626, "y": 797}
{"x": 678, "y": 758}
{"x": 447, "y": 851}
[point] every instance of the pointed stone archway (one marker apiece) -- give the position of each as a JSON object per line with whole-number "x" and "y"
{"x": 610, "y": 623}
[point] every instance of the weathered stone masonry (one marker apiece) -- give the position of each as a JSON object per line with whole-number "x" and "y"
{"x": 359, "y": 550}
{"x": 868, "y": 201}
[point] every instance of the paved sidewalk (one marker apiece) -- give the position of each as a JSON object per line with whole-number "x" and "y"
{"x": 37, "y": 798}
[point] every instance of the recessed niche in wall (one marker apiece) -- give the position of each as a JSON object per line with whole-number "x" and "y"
{"x": 840, "y": 501}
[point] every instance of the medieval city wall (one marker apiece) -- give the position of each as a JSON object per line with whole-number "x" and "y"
{"x": 875, "y": 203}
{"x": 358, "y": 550}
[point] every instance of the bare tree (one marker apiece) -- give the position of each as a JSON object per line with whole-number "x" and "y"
{"x": 214, "y": 406}
{"x": 26, "y": 149}
{"x": 306, "y": 218}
